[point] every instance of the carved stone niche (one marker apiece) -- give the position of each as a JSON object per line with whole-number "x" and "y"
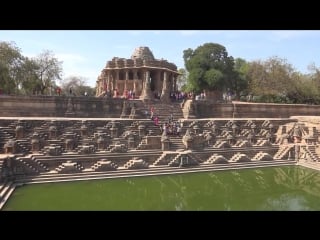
{"x": 53, "y": 150}
{"x": 84, "y": 129}
{"x": 101, "y": 142}
{"x": 52, "y": 132}
{"x": 10, "y": 146}
{"x": 114, "y": 130}
{"x": 35, "y": 142}
{"x": 19, "y": 132}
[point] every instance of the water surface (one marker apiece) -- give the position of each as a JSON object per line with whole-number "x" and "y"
{"x": 277, "y": 188}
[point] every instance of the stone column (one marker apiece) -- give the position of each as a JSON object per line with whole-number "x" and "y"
{"x": 108, "y": 81}
{"x": 135, "y": 77}
{"x": 127, "y": 78}
{"x": 115, "y": 86}
{"x": 158, "y": 82}
{"x": 111, "y": 81}
{"x": 165, "y": 89}
{"x": 125, "y": 88}
{"x": 146, "y": 91}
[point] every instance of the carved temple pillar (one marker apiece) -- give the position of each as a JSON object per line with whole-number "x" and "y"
{"x": 158, "y": 82}
{"x": 116, "y": 80}
{"x": 109, "y": 84}
{"x": 112, "y": 80}
{"x": 165, "y": 89}
{"x": 135, "y": 77}
{"x": 125, "y": 88}
{"x": 146, "y": 91}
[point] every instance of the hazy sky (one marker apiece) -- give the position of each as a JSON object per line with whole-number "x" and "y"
{"x": 85, "y": 52}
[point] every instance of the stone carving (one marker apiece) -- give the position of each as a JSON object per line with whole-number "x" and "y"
{"x": 143, "y": 53}
{"x": 134, "y": 74}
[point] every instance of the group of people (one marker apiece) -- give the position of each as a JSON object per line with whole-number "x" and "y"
{"x": 127, "y": 94}
{"x": 175, "y": 96}
{"x": 171, "y": 128}
{"x": 71, "y": 92}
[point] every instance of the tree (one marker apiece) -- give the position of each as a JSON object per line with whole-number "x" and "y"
{"x": 182, "y": 78}
{"x": 240, "y": 79}
{"x": 30, "y": 81}
{"x": 209, "y": 67}
{"x": 314, "y": 74}
{"x": 272, "y": 77}
{"x": 10, "y": 65}
{"x": 49, "y": 69}
{"x": 303, "y": 90}
{"x": 78, "y": 85}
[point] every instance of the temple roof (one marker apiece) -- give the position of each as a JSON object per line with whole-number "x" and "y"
{"x": 143, "y": 53}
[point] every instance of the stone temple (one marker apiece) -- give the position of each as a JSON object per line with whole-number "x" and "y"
{"x": 143, "y": 74}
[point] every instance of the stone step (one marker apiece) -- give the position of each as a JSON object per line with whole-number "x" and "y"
{"x": 5, "y": 198}
{"x": 5, "y": 188}
{"x": 155, "y": 170}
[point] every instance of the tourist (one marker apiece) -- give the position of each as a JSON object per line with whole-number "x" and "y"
{"x": 178, "y": 130}
{"x": 58, "y": 91}
{"x": 151, "y": 112}
{"x": 156, "y": 121}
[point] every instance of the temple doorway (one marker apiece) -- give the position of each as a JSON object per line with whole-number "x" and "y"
{"x": 152, "y": 80}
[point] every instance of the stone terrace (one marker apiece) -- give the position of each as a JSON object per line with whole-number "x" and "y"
{"x": 34, "y": 150}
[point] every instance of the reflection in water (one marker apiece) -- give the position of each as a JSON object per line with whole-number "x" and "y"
{"x": 299, "y": 178}
{"x": 280, "y": 188}
{"x": 286, "y": 202}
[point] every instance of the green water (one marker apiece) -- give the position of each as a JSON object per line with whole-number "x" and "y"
{"x": 281, "y": 188}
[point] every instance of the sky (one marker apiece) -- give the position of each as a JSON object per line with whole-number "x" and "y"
{"x": 85, "y": 52}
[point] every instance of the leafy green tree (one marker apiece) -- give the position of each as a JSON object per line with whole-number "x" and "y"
{"x": 303, "y": 89}
{"x": 182, "y": 78}
{"x": 209, "y": 67}
{"x": 29, "y": 78}
{"x": 49, "y": 69}
{"x": 10, "y": 66}
{"x": 240, "y": 81}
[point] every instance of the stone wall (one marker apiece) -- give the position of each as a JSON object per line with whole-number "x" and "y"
{"x": 92, "y": 107}
{"x": 60, "y": 106}
{"x": 205, "y": 109}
